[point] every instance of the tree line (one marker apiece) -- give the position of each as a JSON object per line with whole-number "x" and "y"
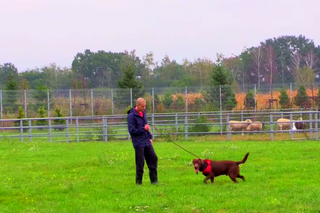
{"x": 274, "y": 61}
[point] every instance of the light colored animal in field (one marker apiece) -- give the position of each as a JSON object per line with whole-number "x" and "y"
{"x": 255, "y": 126}
{"x": 284, "y": 123}
{"x": 239, "y": 125}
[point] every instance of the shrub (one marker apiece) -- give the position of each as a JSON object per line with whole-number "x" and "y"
{"x": 20, "y": 116}
{"x": 249, "y": 100}
{"x": 110, "y": 133}
{"x": 302, "y": 99}
{"x": 42, "y": 113}
{"x": 284, "y": 99}
{"x": 200, "y": 125}
{"x": 58, "y": 113}
{"x": 167, "y": 99}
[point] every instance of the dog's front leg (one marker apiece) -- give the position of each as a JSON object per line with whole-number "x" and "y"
{"x": 209, "y": 176}
{"x": 206, "y": 179}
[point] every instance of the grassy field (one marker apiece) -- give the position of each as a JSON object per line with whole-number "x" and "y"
{"x": 39, "y": 176}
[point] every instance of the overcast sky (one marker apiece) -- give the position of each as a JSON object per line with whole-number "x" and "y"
{"x": 35, "y": 33}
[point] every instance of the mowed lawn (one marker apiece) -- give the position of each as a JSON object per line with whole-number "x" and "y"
{"x": 100, "y": 177}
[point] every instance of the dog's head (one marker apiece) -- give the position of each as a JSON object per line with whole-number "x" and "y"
{"x": 197, "y": 164}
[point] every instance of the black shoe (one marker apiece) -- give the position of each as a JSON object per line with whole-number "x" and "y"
{"x": 139, "y": 179}
{"x": 153, "y": 177}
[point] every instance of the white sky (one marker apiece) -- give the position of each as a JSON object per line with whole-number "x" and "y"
{"x": 35, "y": 33}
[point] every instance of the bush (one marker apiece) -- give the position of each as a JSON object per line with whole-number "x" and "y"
{"x": 284, "y": 99}
{"x": 58, "y": 113}
{"x": 110, "y": 133}
{"x": 200, "y": 125}
{"x": 318, "y": 98}
{"x": 302, "y": 99}
{"x": 42, "y": 113}
{"x": 167, "y": 99}
{"x": 249, "y": 100}
{"x": 20, "y": 116}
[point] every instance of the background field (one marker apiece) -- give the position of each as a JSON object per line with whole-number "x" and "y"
{"x": 40, "y": 176}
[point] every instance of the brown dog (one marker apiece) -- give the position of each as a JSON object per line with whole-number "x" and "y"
{"x": 212, "y": 169}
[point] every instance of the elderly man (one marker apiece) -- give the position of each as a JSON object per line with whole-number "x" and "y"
{"x": 142, "y": 142}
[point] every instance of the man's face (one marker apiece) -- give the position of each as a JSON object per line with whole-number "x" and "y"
{"x": 141, "y": 107}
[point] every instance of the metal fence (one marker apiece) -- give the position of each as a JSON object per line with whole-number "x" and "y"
{"x": 95, "y": 102}
{"x": 183, "y": 125}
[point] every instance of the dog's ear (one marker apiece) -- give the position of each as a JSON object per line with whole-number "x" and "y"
{"x": 198, "y": 161}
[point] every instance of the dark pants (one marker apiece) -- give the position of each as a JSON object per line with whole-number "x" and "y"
{"x": 148, "y": 154}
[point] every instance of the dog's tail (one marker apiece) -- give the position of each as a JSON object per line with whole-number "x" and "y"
{"x": 243, "y": 160}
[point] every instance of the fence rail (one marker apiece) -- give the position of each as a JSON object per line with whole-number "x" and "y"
{"x": 106, "y": 128}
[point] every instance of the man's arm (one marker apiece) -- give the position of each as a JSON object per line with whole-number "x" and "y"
{"x": 132, "y": 128}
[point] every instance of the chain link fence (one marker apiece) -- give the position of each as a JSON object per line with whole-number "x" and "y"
{"x": 94, "y": 102}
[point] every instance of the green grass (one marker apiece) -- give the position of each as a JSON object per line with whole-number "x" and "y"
{"x": 40, "y": 176}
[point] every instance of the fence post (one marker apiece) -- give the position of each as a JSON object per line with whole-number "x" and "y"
{"x": 255, "y": 98}
{"x": 186, "y": 127}
{"x": 50, "y": 130}
{"x": 291, "y": 95}
{"x": 30, "y": 135}
{"x": 241, "y": 115}
{"x": 228, "y": 129}
{"x": 21, "y": 130}
{"x": 176, "y": 123}
{"x": 77, "y": 128}
{"x": 186, "y": 91}
{"x": 91, "y": 102}
{"x": 25, "y": 103}
{"x": 291, "y": 125}
{"x": 1, "y": 107}
{"x": 48, "y": 97}
{"x": 152, "y": 123}
{"x": 153, "y": 100}
{"x": 67, "y": 129}
{"x": 271, "y": 126}
{"x": 310, "y": 123}
{"x": 104, "y": 129}
{"x": 70, "y": 97}
{"x": 131, "y": 97}
{"x": 220, "y": 112}
{"x": 112, "y": 100}
{"x": 316, "y": 124}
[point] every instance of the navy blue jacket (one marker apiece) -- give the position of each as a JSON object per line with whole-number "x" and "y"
{"x": 139, "y": 136}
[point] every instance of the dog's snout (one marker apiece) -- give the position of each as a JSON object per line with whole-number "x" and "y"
{"x": 196, "y": 169}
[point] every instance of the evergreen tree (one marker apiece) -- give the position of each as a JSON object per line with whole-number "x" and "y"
{"x": 41, "y": 97}
{"x": 249, "y": 101}
{"x": 318, "y": 98}
{"x": 11, "y": 94}
{"x": 221, "y": 76}
{"x": 57, "y": 113}
{"x": 20, "y": 116}
{"x": 167, "y": 99}
{"x": 129, "y": 81}
{"x": 42, "y": 114}
{"x": 284, "y": 99}
{"x": 301, "y": 98}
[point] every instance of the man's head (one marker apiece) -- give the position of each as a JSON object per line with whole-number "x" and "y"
{"x": 141, "y": 104}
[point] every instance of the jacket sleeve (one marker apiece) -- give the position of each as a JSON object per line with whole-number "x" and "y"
{"x": 133, "y": 129}
{"x": 149, "y": 135}
{"x": 145, "y": 119}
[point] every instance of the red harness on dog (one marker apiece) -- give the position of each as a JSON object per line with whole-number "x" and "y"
{"x": 208, "y": 169}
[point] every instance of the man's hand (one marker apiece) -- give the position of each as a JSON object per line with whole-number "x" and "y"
{"x": 147, "y": 127}
{"x": 151, "y": 141}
